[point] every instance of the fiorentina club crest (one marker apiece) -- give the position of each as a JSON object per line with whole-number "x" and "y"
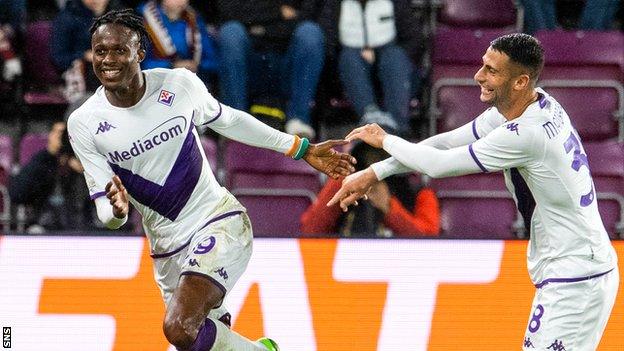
{"x": 166, "y": 97}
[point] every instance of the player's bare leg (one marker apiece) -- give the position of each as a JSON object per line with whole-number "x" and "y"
{"x": 187, "y": 327}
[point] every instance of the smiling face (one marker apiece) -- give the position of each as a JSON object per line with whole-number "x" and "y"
{"x": 496, "y": 78}
{"x": 117, "y": 55}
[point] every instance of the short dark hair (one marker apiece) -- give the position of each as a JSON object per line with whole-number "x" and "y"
{"x": 522, "y": 49}
{"x": 127, "y": 18}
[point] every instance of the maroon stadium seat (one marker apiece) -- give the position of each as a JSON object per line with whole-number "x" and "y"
{"x": 30, "y": 144}
{"x": 606, "y": 161}
{"x": 275, "y": 189}
{"x": 6, "y": 163}
{"x": 587, "y": 80}
{"x": 479, "y": 14}
{"x": 42, "y": 81}
{"x": 210, "y": 149}
{"x": 477, "y": 206}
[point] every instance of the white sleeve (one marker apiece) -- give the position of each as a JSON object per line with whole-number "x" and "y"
{"x": 510, "y": 145}
{"x": 464, "y": 135}
{"x": 243, "y": 127}
{"x": 97, "y": 172}
{"x": 230, "y": 122}
{"x": 429, "y": 160}
{"x": 105, "y": 214}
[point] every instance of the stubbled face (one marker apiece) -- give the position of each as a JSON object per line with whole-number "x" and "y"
{"x": 116, "y": 56}
{"x": 495, "y": 78}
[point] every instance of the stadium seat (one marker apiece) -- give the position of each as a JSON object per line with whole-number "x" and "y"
{"x": 42, "y": 80}
{"x": 606, "y": 161}
{"x": 481, "y": 14}
{"x": 6, "y": 163}
{"x": 477, "y": 206}
{"x": 275, "y": 189}
{"x": 30, "y": 144}
{"x": 210, "y": 149}
{"x": 588, "y": 81}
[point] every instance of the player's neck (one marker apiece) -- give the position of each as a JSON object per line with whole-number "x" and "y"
{"x": 129, "y": 95}
{"x": 519, "y": 105}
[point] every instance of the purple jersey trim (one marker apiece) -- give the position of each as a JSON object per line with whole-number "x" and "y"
{"x": 542, "y": 100}
{"x": 570, "y": 280}
{"x": 217, "y": 218}
{"x": 213, "y": 280}
{"x": 217, "y": 116}
{"x": 474, "y": 157}
{"x": 169, "y": 199}
{"x": 97, "y": 195}
{"x": 474, "y": 129}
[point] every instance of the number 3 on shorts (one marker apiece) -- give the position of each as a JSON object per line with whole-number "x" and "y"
{"x": 534, "y": 323}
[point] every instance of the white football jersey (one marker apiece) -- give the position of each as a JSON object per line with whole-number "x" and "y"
{"x": 547, "y": 172}
{"x": 155, "y": 150}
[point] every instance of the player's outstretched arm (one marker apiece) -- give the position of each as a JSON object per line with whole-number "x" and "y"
{"x": 324, "y": 158}
{"x": 354, "y": 187}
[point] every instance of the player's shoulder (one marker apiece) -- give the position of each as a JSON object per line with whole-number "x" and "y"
{"x": 84, "y": 112}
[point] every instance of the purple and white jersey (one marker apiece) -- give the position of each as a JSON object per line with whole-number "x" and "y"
{"x": 155, "y": 150}
{"x": 547, "y": 172}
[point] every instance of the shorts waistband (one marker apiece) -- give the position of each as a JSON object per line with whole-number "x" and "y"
{"x": 570, "y": 280}
{"x": 212, "y": 220}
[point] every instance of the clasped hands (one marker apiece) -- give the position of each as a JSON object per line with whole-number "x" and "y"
{"x": 357, "y": 185}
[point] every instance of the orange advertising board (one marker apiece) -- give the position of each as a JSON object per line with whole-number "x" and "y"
{"x": 98, "y": 293}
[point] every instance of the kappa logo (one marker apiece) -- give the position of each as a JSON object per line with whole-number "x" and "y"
{"x": 105, "y": 127}
{"x": 528, "y": 343}
{"x": 513, "y": 127}
{"x": 166, "y": 97}
{"x": 557, "y": 345}
{"x": 221, "y": 271}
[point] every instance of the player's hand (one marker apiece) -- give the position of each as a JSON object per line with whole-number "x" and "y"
{"x": 372, "y": 134}
{"x": 324, "y": 158}
{"x": 118, "y": 197}
{"x": 354, "y": 187}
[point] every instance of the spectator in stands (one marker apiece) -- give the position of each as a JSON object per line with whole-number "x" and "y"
{"x": 375, "y": 40}
{"x": 43, "y": 184}
{"x": 394, "y": 209}
{"x": 178, "y": 38}
{"x": 11, "y": 22}
{"x": 270, "y": 46}
{"x": 542, "y": 15}
{"x": 71, "y": 46}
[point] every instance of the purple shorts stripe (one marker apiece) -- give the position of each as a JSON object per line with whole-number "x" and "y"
{"x": 213, "y": 280}
{"x": 220, "y": 217}
{"x": 171, "y": 253}
{"x": 570, "y": 280}
{"x": 97, "y": 195}
{"x": 217, "y": 116}
{"x": 474, "y": 157}
{"x": 474, "y": 129}
{"x": 217, "y": 218}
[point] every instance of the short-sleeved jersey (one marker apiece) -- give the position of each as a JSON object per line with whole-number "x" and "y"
{"x": 154, "y": 148}
{"x": 547, "y": 172}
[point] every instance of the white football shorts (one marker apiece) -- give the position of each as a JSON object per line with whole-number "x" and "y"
{"x": 571, "y": 314}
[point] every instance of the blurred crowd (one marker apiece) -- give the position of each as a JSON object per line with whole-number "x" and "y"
{"x": 315, "y": 68}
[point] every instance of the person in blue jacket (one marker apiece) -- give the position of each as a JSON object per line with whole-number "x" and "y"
{"x": 178, "y": 38}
